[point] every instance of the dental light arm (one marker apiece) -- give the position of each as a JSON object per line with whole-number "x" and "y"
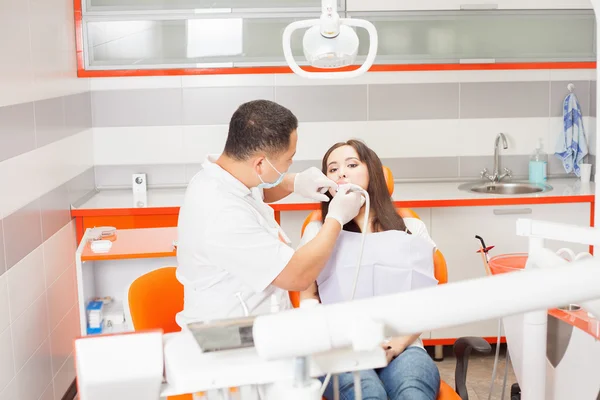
{"x": 330, "y": 42}
{"x": 345, "y": 324}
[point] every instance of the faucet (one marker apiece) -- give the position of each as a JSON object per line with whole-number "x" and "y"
{"x": 496, "y": 177}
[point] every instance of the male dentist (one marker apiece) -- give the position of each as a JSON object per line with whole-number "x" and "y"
{"x": 233, "y": 257}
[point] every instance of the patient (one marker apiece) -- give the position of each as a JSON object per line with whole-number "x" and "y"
{"x": 400, "y": 258}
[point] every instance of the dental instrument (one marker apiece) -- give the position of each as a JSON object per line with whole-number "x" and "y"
{"x": 356, "y": 189}
{"x": 330, "y": 42}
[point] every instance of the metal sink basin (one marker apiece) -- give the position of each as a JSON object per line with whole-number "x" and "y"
{"x": 505, "y": 188}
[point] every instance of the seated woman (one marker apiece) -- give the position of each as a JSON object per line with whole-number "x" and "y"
{"x": 398, "y": 256}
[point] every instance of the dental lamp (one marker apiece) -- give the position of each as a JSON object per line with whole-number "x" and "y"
{"x": 329, "y": 43}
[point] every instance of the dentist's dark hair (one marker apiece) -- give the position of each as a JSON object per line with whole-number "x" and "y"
{"x": 259, "y": 126}
{"x": 385, "y": 216}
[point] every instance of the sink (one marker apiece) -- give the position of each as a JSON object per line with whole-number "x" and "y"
{"x": 504, "y": 188}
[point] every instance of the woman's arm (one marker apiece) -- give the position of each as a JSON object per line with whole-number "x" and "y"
{"x": 395, "y": 346}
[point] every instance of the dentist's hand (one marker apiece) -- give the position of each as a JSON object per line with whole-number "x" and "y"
{"x": 312, "y": 184}
{"x": 345, "y": 206}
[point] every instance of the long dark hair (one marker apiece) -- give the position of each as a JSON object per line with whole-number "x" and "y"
{"x": 385, "y": 216}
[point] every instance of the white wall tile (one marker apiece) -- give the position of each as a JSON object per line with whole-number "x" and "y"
{"x": 59, "y": 252}
{"x": 314, "y": 138}
{"x": 7, "y": 361}
{"x": 49, "y": 392}
{"x": 477, "y": 135}
{"x": 138, "y": 145}
{"x": 37, "y": 172}
{"x": 4, "y": 304}
{"x": 35, "y": 376}
{"x": 228, "y": 80}
{"x": 61, "y": 339}
{"x": 135, "y": 82}
{"x": 62, "y": 295}
{"x": 572, "y": 74}
{"x": 590, "y": 124}
{"x": 29, "y": 331}
{"x": 64, "y": 378}
{"x": 16, "y": 68}
{"x": 533, "y": 75}
{"x": 10, "y": 392}
{"x": 26, "y": 282}
{"x": 198, "y": 141}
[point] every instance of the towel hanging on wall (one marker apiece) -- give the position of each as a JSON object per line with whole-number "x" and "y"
{"x": 572, "y": 146}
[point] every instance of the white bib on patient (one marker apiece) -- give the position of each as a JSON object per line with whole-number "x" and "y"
{"x": 392, "y": 262}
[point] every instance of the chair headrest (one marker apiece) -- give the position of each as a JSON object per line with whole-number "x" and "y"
{"x": 389, "y": 179}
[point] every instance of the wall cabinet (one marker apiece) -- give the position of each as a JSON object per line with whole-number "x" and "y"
{"x": 422, "y": 5}
{"x": 454, "y": 230}
{"x": 180, "y": 34}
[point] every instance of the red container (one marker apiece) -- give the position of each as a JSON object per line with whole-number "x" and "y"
{"x": 507, "y": 263}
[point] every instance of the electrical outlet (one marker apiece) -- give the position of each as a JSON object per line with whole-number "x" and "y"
{"x": 139, "y": 183}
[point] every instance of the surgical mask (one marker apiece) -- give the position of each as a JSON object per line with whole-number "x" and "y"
{"x": 266, "y": 185}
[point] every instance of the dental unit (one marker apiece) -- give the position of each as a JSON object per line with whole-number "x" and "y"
{"x": 290, "y": 348}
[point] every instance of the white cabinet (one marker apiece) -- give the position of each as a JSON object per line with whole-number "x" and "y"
{"x": 454, "y": 229}
{"x": 544, "y": 4}
{"x": 401, "y": 5}
{"x": 432, "y": 5}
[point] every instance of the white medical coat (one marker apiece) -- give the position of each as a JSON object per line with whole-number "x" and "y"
{"x": 228, "y": 243}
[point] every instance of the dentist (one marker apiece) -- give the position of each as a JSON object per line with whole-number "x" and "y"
{"x": 233, "y": 258}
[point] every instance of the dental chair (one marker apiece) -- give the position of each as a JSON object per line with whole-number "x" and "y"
{"x": 463, "y": 346}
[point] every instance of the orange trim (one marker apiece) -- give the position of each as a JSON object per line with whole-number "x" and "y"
{"x": 82, "y": 73}
{"x": 136, "y": 243}
{"x": 592, "y": 217}
{"x": 277, "y": 215}
{"x": 316, "y": 206}
{"x": 455, "y": 202}
{"x": 78, "y": 14}
{"x": 79, "y": 229}
{"x": 92, "y": 212}
{"x": 578, "y": 319}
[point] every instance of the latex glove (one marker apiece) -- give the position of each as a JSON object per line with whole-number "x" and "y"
{"x": 313, "y": 184}
{"x": 345, "y": 206}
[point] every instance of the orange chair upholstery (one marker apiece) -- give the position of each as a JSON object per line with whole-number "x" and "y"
{"x": 439, "y": 262}
{"x": 154, "y": 300}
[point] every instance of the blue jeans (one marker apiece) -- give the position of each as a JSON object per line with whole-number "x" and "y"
{"x": 411, "y": 376}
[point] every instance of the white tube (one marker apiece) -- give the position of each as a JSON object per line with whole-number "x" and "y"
{"x": 533, "y": 385}
{"x": 427, "y": 309}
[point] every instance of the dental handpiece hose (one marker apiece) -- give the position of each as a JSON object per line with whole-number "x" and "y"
{"x": 356, "y": 188}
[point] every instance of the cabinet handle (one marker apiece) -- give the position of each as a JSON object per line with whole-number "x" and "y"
{"x": 480, "y": 6}
{"x": 512, "y": 211}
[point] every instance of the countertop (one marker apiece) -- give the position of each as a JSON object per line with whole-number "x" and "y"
{"x": 415, "y": 195}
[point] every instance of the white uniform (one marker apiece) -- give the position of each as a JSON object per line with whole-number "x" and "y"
{"x": 392, "y": 262}
{"x": 228, "y": 243}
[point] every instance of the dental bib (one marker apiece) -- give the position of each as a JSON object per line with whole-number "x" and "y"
{"x": 393, "y": 262}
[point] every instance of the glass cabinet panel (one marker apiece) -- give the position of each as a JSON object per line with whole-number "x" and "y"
{"x": 203, "y": 6}
{"x": 505, "y": 36}
{"x": 189, "y": 43}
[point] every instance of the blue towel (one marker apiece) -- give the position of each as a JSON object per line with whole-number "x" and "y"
{"x": 572, "y": 146}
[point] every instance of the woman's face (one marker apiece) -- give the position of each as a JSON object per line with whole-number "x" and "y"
{"x": 344, "y": 166}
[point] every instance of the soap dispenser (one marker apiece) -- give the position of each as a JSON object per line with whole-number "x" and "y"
{"x": 538, "y": 165}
